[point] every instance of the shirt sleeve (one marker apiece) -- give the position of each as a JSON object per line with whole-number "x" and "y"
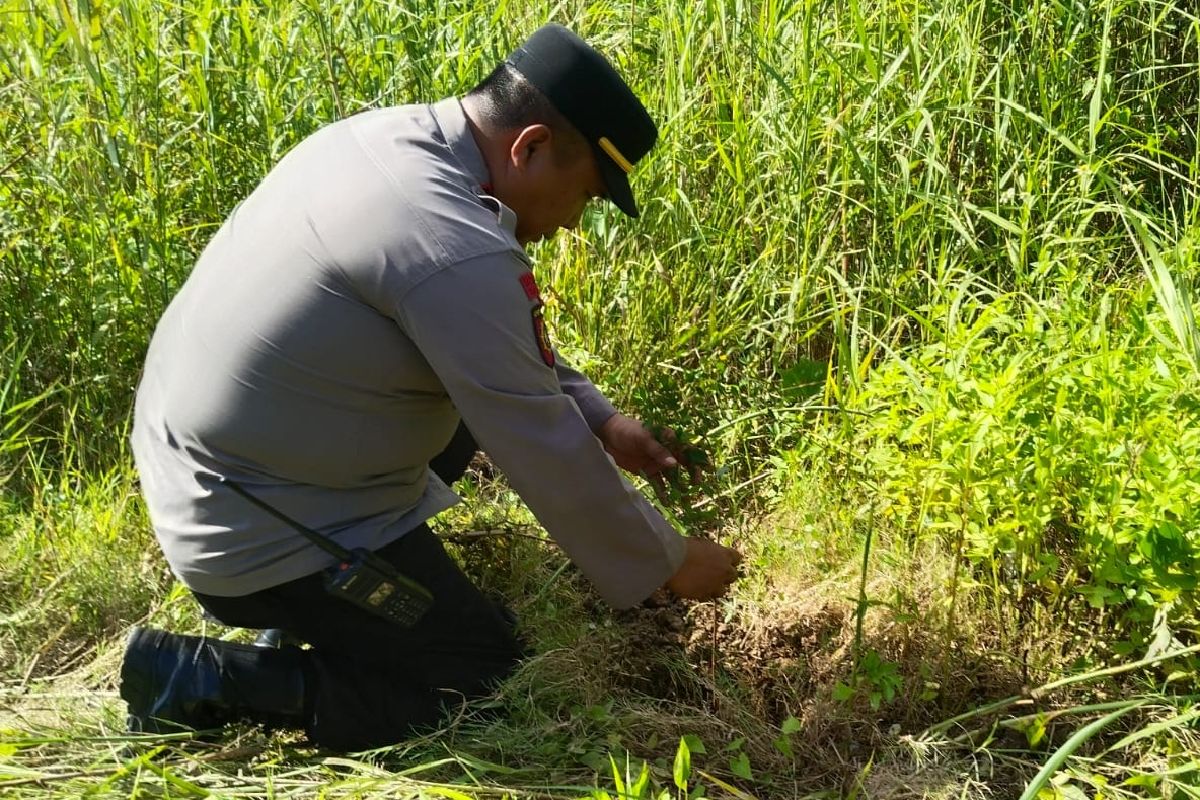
{"x": 594, "y": 406}
{"x": 476, "y": 324}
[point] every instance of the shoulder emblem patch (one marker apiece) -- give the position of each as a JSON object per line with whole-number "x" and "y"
{"x": 541, "y": 337}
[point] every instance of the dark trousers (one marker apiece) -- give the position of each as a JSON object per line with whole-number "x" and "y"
{"x": 370, "y": 682}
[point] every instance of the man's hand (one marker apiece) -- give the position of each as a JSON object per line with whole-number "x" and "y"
{"x": 707, "y": 571}
{"x": 646, "y": 452}
{"x": 634, "y": 447}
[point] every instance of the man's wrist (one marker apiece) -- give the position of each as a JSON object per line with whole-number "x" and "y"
{"x": 604, "y": 422}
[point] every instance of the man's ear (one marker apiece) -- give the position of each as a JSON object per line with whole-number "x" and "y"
{"x": 532, "y": 139}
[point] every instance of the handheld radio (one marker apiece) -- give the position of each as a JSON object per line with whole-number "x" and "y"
{"x": 360, "y": 576}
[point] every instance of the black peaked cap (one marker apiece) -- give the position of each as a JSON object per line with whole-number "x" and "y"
{"x": 593, "y": 97}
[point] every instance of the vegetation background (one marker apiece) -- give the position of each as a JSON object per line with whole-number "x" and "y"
{"x": 918, "y": 276}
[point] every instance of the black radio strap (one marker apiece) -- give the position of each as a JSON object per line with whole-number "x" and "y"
{"x": 323, "y": 542}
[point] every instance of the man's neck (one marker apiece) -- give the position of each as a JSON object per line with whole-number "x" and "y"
{"x": 487, "y": 144}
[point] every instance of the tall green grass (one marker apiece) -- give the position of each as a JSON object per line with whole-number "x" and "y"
{"x": 826, "y": 168}
{"x": 940, "y": 256}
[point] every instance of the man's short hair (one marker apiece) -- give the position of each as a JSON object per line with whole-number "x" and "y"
{"x": 510, "y": 101}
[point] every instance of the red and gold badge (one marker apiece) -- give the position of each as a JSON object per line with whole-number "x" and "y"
{"x": 540, "y": 337}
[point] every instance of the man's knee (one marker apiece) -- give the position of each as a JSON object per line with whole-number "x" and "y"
{"x": 475, "y": 668}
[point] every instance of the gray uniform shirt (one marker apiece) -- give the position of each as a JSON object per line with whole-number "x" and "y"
{"x": 360, "y": 300}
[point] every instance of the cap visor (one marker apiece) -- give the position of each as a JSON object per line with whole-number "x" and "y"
{"x": 617, "y": 183}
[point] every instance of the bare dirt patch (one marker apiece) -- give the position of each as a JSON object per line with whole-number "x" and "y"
{"x": 752, "y": 670}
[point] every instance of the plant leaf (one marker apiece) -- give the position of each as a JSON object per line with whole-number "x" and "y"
{"x": 1060, "y": 755}
{"x": 683, "y": 765}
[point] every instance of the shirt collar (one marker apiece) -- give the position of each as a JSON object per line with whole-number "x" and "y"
{"x": 451, "y": 118}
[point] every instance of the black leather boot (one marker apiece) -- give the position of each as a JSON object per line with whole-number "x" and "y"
{"x": 174, "y": 682}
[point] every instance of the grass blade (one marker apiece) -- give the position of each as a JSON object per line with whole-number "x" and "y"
{"x": 1076, "y": 741}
